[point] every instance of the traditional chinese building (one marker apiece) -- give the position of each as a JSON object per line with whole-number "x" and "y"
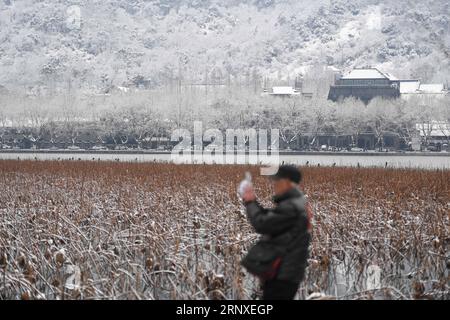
{"x": 368, "y": 83}
{"x": 365, "y": 84}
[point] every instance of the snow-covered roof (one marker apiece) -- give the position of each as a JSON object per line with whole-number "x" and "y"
{"x": 434, "y": 129}
{"x": 391, "y": 77}
{"x": 283, "y": 90}
{"x": 123, "y": 89}
{"x": 407, "y": 86}
{"x": 415, "y": 87}
{"x": 333, "y": 68}
{"x": 432, "y": 88}
{"x": 368, "y": 73}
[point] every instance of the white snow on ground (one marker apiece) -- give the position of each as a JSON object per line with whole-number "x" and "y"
{"x": 374, "y": 18}
{"x": 351, "y": 30}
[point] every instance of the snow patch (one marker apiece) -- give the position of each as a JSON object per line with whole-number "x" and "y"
{"x": 374, "y": 18}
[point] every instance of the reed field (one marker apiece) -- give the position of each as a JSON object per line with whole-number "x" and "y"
{"x": 110, "y": 230}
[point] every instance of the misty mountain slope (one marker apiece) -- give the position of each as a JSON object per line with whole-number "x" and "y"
{"x": 93, "y": 44}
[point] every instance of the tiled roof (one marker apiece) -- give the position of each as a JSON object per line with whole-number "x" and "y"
{"x": 434, "y": 129}
{"x": 283, "y": 90}
{"x": 431, "y": 88}
{"x": 369, "y": 73}
{"x": 409, "y": 86}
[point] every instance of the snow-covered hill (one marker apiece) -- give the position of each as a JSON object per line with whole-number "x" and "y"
{"x": 94, "y": 44}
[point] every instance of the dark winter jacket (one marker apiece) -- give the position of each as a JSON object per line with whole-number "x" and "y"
{"x": 285, "y": 226}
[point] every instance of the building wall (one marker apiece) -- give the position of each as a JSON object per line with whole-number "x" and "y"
{"x": 363, "y": 82}
{"x": 364, "y": 93}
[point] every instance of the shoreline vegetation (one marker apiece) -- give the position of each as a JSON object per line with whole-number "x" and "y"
{"x": 106, "y": 230}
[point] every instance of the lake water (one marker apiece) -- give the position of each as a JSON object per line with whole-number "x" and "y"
{"x": 438, "y": 161}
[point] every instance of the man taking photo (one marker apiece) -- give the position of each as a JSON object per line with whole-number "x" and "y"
{"x": 280, "y": 256}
